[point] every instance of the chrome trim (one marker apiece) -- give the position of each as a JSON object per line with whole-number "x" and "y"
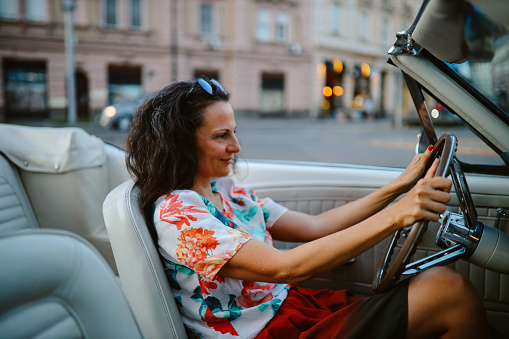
{"x": 441, "y": 258}
{"x": 404, "y": 44}
{"x": 454, "y": 231}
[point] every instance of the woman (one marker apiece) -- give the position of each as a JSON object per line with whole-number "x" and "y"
{"x": 216, "y": 238}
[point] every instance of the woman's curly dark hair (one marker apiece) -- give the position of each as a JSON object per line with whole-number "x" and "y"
{"x": 161, "y": 150}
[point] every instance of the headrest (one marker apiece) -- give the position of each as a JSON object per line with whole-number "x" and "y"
{"x": 51, "y": 150}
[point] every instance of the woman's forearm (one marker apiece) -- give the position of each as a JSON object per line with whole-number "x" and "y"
{"x": 358, "y": 210}
{"x": 301, "y": 227}
{"x": 260, "y": 262}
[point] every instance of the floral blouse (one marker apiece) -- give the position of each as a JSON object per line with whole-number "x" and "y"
{"x": 196, "y": 240}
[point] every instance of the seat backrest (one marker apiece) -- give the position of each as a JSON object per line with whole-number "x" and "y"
{"x": 67, "y": 174}
{"x": 15, "y": 210}
{"x": 139, "y": 265}
{"x": 54, "y": 284}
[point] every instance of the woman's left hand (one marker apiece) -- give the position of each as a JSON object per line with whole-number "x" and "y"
{"x": 414, "y": 171}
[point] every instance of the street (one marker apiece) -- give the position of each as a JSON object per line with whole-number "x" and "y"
{"x": 365, "y": 143}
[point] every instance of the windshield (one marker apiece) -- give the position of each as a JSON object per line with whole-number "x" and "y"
{"x": 490, "y": 78}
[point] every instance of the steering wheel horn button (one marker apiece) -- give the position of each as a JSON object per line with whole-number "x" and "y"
{"x": 453, "y": 230}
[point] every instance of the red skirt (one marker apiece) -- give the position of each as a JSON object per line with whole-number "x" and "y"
{"x": 308, "y": 313}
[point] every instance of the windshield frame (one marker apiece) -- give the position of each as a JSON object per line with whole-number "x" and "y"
{"x": 499, "y": 113}
{"x": 425, "y": 118}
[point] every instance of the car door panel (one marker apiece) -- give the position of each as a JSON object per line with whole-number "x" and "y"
{"x": 314, "y": 189}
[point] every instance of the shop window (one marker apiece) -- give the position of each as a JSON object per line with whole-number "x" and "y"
{"x": 25, "y": 89}
{"x": 82, "y": 98}
{"x": 210, "y": 74}
{"x": 124, "y": 84}
{"x": 272, "y": 94}
{"x": 333, "y": 88}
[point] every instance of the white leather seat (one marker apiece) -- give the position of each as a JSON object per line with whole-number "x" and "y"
{"x": 15, "y": 210}
{"x": 54, "y": 284}
{"x": 139, "y": 265}
{"x": 66, "y": 174}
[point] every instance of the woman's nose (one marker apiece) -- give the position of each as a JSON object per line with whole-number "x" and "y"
{"x": 234, "y": 147}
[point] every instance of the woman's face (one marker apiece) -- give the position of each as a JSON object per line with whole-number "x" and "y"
{"x": 216, "y": 141}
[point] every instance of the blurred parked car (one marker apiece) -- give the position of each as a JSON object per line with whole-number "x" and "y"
{"x": 120, "y": 115}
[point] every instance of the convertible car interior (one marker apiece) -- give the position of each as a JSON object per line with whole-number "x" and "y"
{"x": 78, "y": 260}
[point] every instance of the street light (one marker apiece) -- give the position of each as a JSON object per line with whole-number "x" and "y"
{"x": 68, "y": 8}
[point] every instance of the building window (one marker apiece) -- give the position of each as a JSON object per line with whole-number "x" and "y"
{"x": 272, "y": 93}
{"x": 208, "y": 73}
{"x": 9, "y": 9}
{"x": 206, "y": 19}
{"x": 263, "y": 25}
{"x": 335, "y": 22}
{"x": 25, "y": 89}
{"x": 36, "y": 10}
{"x": 124, "y": 83}
{"x": 384, "y": 38}
{"x": 282, "y": 26}
{"x": 110, "y": 13}
{"x": 33, "y": 10}
{"x": 136, "y": 14}
{"x": 363, "y": 26}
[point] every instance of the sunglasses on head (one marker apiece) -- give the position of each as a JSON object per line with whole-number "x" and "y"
{"x": 210, "y": 86}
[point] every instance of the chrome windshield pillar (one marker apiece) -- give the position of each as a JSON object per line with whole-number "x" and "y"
{"x": 404, "y": 44}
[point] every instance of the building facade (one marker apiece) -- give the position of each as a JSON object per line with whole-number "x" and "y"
{"x": 261, "y": 51}
{"x": 351, "y": 38}
{"x": 121, "y": 50}
{"x": 274, "y": 56}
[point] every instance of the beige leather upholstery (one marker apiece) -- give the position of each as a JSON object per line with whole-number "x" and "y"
{"x": 66, "y": 173}
{"x": 15, "y": 211}
{"x": 56, "y": 285}
{"x": 139, "y": 265}
{"x": 329, "y": 186}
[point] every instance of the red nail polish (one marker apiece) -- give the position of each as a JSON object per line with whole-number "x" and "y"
{"x": 430, "y": 148}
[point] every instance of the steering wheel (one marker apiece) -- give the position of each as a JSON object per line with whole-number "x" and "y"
{"x": 389, "y": 271}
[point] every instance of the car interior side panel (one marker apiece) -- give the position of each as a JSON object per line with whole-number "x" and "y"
{"x": 316, "y": 192}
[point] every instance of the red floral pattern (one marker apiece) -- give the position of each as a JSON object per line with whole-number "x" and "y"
{"x": 206, "y": 285}
{"x": 194, "y": 244}
{"x": 221, "y": 325}
{"x": 210, "y": 266}
{"x": 174, "y": 212}
{"x": 254, "y": 294}
{"x": 197, "y": 245}
{"x": 227, "y": 209}
{"x": 241, "y": 191}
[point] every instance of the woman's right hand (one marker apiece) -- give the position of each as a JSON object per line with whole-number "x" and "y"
{"x": 426, "y": 200}
{"x": 413, "y": 171}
